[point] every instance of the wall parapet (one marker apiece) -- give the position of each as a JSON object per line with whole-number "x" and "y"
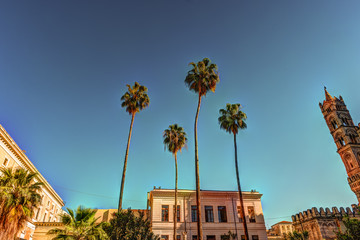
{"x": 314, "y": 213}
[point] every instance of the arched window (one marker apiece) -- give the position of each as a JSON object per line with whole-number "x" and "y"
{"x": 341, "y": 141}
{"x": 353, "y": 138}
{"x": 334, "y": 124}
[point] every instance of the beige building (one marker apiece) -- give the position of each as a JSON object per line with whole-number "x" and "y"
{"x": 220, "y": 214}
{"x": 11, "y": 155}
{"x": 278, "y": 230}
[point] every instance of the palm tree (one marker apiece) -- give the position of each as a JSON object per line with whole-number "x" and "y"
{"x": 79, "y": 225}
{"x": 135, "y": 99}
{"x": 19, "y": 198}
{"x": 231, "y": 120}
{"x": 174, "y": 140}
{"x": 202, "y": 78}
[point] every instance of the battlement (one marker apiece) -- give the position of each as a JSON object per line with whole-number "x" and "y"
{"x": 314, "y": 213}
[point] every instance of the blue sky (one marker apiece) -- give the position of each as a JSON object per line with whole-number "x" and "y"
{"x": 65, "y": 64}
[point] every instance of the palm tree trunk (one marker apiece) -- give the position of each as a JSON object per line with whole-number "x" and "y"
{"x": 242, "y": 212}
{"x": 125, "y": 163}
{"x": 198, "y": 202}
{"x": 176, "y": 188}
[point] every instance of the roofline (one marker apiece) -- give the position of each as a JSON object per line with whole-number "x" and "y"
{"x": 16, "y": 150}
{"x": 202, "y": 190}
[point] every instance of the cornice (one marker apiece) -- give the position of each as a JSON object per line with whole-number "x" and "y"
{"x": 20, "y": 155}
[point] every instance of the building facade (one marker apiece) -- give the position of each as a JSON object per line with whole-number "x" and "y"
{"x": 220, "y": 214}
{"x": 278, "y": 230}
{"x": 346, "y": 137}
{"x": 12, "y": 156}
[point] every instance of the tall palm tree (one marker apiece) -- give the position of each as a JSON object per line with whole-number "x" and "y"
{"x": 135, "y": 99}
{"x": 231, "y": 120}
{"x": 19, "y": 198}
{"x": 174, "y": 140}
{"x": 202, "y": 78}
{"x": 79, "y": 225}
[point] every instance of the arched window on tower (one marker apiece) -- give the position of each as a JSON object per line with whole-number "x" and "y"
{"x": 341, "y": 141}
{"x": 344, "y": 121}
{"x": 334, "y": 124}
{"x": 352, "y": 138}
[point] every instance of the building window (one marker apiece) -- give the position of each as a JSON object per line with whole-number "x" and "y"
{"x": 251, "y": 213}
{"x": 222, "y": 214}
{"x": 177, "y": 212}
{"x": 44, "y": 217}
{"x": 194, "y": 237}
{"x": 255, "y": 237}
{"x": 334, "y": 124}
{"x": 210, "y": 237}
{"x": 242, "y": 237}
{"x": 37, "y": 214}
{"x": 193, "y": 214}
{"x": 164, "y": 237}
{"x": 6, "y": 161}
{"x": 341, "y": 141}
{"x": 178, "y": 237}
{"x": 239, "y": 213}
{"x": 209, "y": 214}
{"x": 48, "y": 203}
{"x": 165, "y": 213}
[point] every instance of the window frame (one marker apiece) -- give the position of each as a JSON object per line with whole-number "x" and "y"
{"x": 164, "y": 213}
{"x": 211, "y": 211}
{"x": 222, "y": 209}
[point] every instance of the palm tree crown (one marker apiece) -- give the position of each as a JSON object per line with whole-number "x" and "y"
{"x": 19, "y": 198}
{"x": 174, "y": 138}
{"x": 232, "y": 118}
{"x": 135, "y": 99}
{"x": 203, "y": 77}
{"x": 79, "y": 225}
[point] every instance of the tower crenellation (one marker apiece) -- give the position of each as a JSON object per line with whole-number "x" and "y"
{"x": 345, "y": 135}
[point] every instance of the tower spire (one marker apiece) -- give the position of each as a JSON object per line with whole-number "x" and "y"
{"x": 327, "y": 95}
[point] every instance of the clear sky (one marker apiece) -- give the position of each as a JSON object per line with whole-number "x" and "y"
{"x": 65, "y": 64}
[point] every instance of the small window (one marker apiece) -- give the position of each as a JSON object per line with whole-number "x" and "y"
{"x": 239, "y": 213}
{"x": 222, "y": 214}
{"x": 194, "y": 214}
{"x": 6, "y": 161}
{"x": 209, "y": 214}
{"x": 242, "y": 237}
{"x": 177, "y": 212}
{"x": 255, "y": 237}
{"x": 210, "y": 237}
{"x": 251, "y": 213}
{"x": 165, "y": 213}
{"x": 178, "y": 237}
{"x": 341, "y": 141}
{"x": 44, "y": 217}
{"x": 164, "y": 237}
{"x": 48, "y": 203}
{"x": 37, "y": 214}
{"x": 194, "y": 237}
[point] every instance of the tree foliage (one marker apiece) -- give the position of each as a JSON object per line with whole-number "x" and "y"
{"x": 232, "y": 118}
{"x": 297, "y": 235}
{"x": 79, "y": 225}
{"x": 174, "y": 138}
{"x": 352, "y": 231}
{"x": 126, "y": 226}
{"x": 135, "y": 99}
{"x": 203, "y": 77}
{"x": 19, "y": 198}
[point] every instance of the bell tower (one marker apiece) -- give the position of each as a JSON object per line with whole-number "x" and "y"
{"x": 346, "y": 137}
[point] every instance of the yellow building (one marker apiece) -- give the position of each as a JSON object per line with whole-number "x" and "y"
{"x": 11, "y": 155}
